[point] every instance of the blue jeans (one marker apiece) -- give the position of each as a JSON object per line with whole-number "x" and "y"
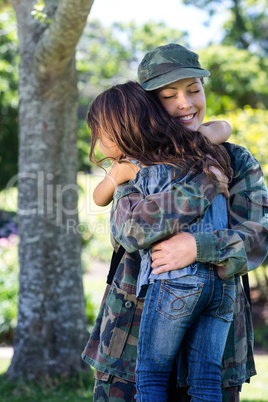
{"x": 199, "y": 307}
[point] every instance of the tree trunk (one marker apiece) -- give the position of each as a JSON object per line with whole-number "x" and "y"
{"x": 51, "y": 330}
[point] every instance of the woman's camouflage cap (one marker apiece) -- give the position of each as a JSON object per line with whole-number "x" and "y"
{"x": 169, "y": 63}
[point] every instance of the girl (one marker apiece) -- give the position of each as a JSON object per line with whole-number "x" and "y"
{"x": 158, "y": 154}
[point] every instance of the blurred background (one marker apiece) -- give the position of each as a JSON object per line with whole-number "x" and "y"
{"x": 231, "y": 38}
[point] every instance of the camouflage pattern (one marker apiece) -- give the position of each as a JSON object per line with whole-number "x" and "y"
{"x": 118, "y": 390}
{"x": 138, "y": 221}
{"x": 243, "y": 247}
{"x": 111, "y": 348}
{"x": 114, "y": 390}
{"x": 169, "y": 63}
{"x": 230, "y": 394}
{"x": 238, "y": 358}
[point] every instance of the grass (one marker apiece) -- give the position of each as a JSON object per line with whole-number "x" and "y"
{"x": 4, "y": 363}
{"x": 75, "y": 389}
{"x": 257, "y": 390}
{"x": 80, "y": 389}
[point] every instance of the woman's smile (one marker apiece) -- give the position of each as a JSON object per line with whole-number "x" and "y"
{"x": 187, "y": 118}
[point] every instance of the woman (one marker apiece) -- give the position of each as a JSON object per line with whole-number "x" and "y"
{"x": 112, "y": 346}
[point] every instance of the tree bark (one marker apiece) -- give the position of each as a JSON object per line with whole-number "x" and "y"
{"x": 51, "y": 330}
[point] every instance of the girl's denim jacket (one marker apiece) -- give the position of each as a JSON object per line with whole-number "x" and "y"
{"x": 157, "y": 179}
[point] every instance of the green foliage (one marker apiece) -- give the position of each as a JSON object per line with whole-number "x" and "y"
{"x": 110, "y": 55}
{"x": 94, "y": 226}
{"x": 8, "y": 98}
{"x": 238, "y": 78}
{"x": 4, "y": 364}
{"x": 8, "y": 287}
{"x": 259, "y": 290}
{"x": 250, "y": 130}
{"x": 38, "y": 12}
{"x": 261, "y": 335}
{"x": 142, "y": 39}
{"x": 106, "y": 55}
{"x": 5, "y": 3}
{"x": 99, "y": 248}
{"x": 90, "y": 312}
{"x": 247, "y": 25}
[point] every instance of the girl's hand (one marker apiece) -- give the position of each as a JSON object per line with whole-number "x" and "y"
{"x": 216, "y": 131}
{"x": 175, "y": 253}
{"x": 118, "y": 174}
{"x": 122, "y": 172}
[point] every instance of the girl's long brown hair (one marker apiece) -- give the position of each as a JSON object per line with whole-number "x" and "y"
{"x": 142, "y": 129}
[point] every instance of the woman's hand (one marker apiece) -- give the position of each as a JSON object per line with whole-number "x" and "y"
{"x": 177, "y": 252}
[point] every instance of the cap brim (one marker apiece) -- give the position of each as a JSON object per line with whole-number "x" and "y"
{"x": 172, "y": 76}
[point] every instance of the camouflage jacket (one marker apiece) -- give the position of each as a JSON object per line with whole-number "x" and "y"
{"x": 111, "y": 349}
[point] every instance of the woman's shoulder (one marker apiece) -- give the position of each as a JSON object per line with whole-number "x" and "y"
{"x": 240, "y": 155}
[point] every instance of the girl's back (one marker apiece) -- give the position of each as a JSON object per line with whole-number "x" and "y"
{"x": 161, "y": 178}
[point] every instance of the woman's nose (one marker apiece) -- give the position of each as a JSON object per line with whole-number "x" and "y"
{"x": 184, "y": 101}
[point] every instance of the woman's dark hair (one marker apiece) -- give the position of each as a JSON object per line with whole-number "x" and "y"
{"x": 142, "y": 129}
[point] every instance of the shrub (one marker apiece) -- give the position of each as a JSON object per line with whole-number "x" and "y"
{"x": 9, "y": 287}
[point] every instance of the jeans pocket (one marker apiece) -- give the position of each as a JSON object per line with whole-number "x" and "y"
{"x": 226, "y": 307}
{"x": 178, "y": 299}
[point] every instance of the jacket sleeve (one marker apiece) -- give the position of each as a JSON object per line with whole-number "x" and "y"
{"x": 244, "y": 245}
{"x": 138, "y": 221}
